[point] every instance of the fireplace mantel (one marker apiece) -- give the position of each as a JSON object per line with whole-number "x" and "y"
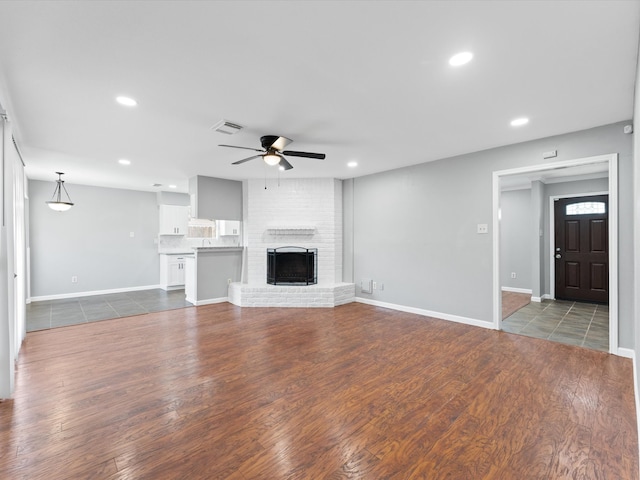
{"x": 291, "y": 229}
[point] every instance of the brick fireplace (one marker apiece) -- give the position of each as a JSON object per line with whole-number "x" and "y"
{"x": 306, "y": 213}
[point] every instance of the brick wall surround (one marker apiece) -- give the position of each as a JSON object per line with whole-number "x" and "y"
{"x": 296, "y": 202}
{"x": 302, "y": 213}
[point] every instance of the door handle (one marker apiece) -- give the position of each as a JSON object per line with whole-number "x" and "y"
{"x": 558, "y": 255}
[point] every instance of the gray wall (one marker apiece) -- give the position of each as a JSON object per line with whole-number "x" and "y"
{"x": 92, "y": 240}
{"x": 214, "y": 271}
{"x": 414, "y": 228}
{"x": 174, "y": 198}
{"x": 515, "y": 238}
{"x": 215, "y": 198}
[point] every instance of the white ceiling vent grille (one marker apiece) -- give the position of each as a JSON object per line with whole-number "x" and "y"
{"x": 225, "y": 126}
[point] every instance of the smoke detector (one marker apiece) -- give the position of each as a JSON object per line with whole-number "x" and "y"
{"x": 225, "y": 126}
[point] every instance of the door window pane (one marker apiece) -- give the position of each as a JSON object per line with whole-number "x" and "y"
{"x": 586, "y": 208}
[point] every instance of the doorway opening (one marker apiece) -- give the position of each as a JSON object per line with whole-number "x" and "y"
{"x": 542, "y": 283}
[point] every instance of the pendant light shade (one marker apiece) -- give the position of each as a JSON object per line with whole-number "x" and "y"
{"x": 57, "y": 202}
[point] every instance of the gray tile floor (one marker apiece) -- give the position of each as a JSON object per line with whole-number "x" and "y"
{"x": 72, "y": 311}
{"x": 573, "y": 323}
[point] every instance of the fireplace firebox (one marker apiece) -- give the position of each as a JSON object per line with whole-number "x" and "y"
{"x": 292, "y": 266}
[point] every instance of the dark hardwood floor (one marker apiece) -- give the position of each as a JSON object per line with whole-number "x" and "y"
{"x": 219, "y": 391}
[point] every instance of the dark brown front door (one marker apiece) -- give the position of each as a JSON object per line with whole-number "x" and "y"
{"x": 582, "y": 249}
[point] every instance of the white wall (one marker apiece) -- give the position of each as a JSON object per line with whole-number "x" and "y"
{"x": 295, "y": 202}
{"x": 635, "y": 220}
{"x": 92, "y": 240}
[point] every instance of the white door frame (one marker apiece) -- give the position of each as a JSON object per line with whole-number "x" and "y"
{"x": 612, "y": 162}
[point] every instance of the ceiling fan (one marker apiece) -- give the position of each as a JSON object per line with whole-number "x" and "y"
{"x": 272, "y": 152}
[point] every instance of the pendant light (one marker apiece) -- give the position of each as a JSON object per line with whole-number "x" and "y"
{"x": 57, "y": 203}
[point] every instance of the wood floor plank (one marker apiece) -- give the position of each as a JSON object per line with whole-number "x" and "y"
{"x": 357, "y": 391}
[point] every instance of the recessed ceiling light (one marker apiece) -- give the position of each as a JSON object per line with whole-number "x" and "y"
{"x": 124, "y": 161}
{"x": 460, "y": 59}
{"x": 126, "y": 101}
{"x": 519, "y": 122}
{"x": 172, "y": 186}
{"x": 352, "y": 164}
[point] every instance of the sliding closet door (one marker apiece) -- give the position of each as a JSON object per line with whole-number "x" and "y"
{"x": 7, "y": 325}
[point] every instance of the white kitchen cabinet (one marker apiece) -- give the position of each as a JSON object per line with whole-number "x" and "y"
{"x": 227, "y": 227}
{"x": 174, "y": 220}
{"x": 172, "y": 271}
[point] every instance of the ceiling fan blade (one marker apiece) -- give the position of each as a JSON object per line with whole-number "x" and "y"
{"x": 274, "y": 141}
{"x": 318, "y": 156}
{"x": 284, "y": 164}
{"x": 246, "y": 159}
{"x": 244, "y": 148}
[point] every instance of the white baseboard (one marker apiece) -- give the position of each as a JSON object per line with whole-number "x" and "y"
{"x": 210, "y": 301}
{"x": 88, "y": 294}
{"x": 546, "y": 296}
{"x": 172, "y": 287}
{"x": 630, "y": 353}
{"x": 627, "y": 353}
{"x": 517, "y": 290}
{"x": 428, "y": 313}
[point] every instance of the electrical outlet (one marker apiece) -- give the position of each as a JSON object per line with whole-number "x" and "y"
{"x": 483, "y": 228}
{"x": 228, "y": 281}
{"x": 74, "y": 279}
{"x": 513, "y": 274}
{"x": 381, "y": 286}
{"x": 132, "y": 234}
{"x": 375, "y": 285}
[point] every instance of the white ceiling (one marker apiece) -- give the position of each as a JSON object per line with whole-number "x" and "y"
{"x": 363, "y": 81}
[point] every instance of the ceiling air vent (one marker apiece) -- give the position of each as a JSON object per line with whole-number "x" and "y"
{"x": 225, "y": 126}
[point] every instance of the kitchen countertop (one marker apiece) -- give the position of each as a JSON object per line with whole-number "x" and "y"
{"x": 214, "y": 249}
{"x": 191, "y": 251}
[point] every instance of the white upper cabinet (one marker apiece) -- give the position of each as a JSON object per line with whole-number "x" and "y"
{"x": 174, "y": 219}
{"x": 227, "y": 227}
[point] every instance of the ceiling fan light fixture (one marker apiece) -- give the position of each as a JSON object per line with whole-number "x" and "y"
{"x": 271, "y": 159}
{"x": 57, "y": 202}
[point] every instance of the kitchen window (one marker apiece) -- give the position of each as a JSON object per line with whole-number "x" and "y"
{"x": 202, "y": 229}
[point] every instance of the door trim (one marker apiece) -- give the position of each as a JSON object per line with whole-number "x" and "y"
{"x": 612, "y": 162}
